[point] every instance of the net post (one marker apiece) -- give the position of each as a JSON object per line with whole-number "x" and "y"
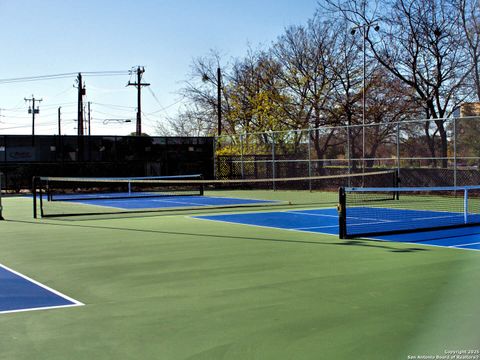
{"x": 465, "y": 206}
{"x": 202, "y": 186}
{"x": 342, "y": 216}
{"x": 41, "y": 198}
{"x": 48, "y": 192}
{"x": 396, "y": 184}
{"x": 1, "y": 206}
{"x": 34, "y": 193}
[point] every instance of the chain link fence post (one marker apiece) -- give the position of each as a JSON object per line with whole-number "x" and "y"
{"x": 398, "y": 149}
{"x": 242, "y": 166}
{"x": 309, "y": 159}
{"x": 214, "y": 157}
{"x": 455, "y": 151}
{"x": 273, "y": 160}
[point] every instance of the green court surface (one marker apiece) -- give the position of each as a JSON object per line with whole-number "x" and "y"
{"x": 169, "y": 286}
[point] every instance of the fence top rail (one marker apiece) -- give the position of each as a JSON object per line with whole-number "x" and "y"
{"x": 412, "y": 189}
{"x": 269, "y": 160}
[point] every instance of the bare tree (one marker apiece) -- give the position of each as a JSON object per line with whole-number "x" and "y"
{"x": 305, "y": 55}
{"x": 470, "y": 20}
{"x": 190, "y": 121}
{"x": 420, "y": 43}
{"x": 255, "y": 94}
{"x": 201, "y": 91}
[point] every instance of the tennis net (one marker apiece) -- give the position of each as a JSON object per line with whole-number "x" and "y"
{"x": 64, "y": 189}
{"x": 55, "y": 196}
{"x": 367, "y": 212}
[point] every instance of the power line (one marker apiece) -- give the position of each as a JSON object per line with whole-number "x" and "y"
{"x": 61, "y": 76}
{"x": 60, "y": 104}
{"x": 26, "y": 126}
{"x": 110, "y": 113}
{"x": 163, "y": 109}
{"x": 114, "y": 106}
{"x": 107, "y": 73}
{"x": 36, "y": 78}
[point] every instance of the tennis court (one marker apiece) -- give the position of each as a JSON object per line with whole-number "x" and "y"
{"x": 325, "y": 221}
{"x": 20, "y": 293}
{"x": 168, "y": 202}
{"x": 173, "y": 284}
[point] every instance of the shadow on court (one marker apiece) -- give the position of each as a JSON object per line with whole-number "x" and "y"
{"x": 377, "y": 244}
{"x": 363, "y": 243}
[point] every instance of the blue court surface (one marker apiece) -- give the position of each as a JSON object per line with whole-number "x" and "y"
{"x": 325, "y": 221}
{"x": 146, "y": 202}
{"x": 20, "y": 293}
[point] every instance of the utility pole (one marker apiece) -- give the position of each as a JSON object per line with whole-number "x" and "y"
{"x": 80, "y": 122}
{"x": 60, "y": 142}
{"x": 139, "y": 84}
{"x": 205, "y": 77}
{"x": 89, "y": 120}
{"x": 59, "y": 122}
{"x": 81, "y": 93}
{"x": 219, "y": 100}
{"x": 33, "y": 110}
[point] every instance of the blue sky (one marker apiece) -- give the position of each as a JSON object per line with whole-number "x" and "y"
{"x": 65, "y": 36}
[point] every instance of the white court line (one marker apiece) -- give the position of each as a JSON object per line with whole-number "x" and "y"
{"x": 264, "y": 226}
{"x": 315, "y": 227}
{"x": 419, "y": 243}
{"x": 75, "y": 302}
{"x": 385, "y": 221}
{"x": 309, "y": 214}
{"x": 462, "y": 246}
{"x": 475, "y": 243}
{"x": 382, "y": 222}
{"x": 179, "y": 202}
{"x": 438, "y": 217}
{"x": 39, "y": 308}
{"x": 379, "y": 221}
{"x": 234, "y": 198}
{"x": 250, "y": 201}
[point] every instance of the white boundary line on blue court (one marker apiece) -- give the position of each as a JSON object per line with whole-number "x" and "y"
{"x": 422, "y": 244}
{"x": 465, "y": 246}
{"x": 305, "y": 212}
{"x": 75, "y": 302}
{"x": 263, "y": 226}
{"x": 474, "y": 243}
{"x": 186, "y": 204}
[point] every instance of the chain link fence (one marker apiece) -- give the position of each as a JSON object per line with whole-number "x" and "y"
{"x": 434, "y": 152}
